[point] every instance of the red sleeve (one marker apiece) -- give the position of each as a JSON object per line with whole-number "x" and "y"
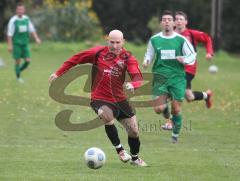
{"x": 87, "y": 56}
{"x": 134, "y": 72}
{"x": 204, "y": 38}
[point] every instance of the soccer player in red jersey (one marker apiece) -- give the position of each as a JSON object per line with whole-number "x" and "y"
{"x": 110, "y": 64}
{"x": 195, "y": 37}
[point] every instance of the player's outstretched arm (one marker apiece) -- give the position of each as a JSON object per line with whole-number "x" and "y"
{"x": 202, "y": 37}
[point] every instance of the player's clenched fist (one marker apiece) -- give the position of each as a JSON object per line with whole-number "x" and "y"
{"x": 52, "y": 77}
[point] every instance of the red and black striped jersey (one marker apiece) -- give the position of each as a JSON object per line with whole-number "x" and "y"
{"x": 109, "y": 72}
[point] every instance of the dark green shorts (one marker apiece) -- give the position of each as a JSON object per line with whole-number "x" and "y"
{"x": 173, "y": 87}
{"x": 20, "y": 51}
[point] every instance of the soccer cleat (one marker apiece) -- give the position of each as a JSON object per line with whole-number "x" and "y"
{"x": 20, "y": 80}
{"x": 168, "y": 125}
{"x": 138, "y": 162}
{"x": 208, "y": 100}
{"x": 174, "y": 139}
{"x": 124, "y": 156}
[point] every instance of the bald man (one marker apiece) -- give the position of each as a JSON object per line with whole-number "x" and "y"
{"x": 107, "y": 97}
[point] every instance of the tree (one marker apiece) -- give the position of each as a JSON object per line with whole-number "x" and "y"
{"x": 71, "y": 20}
{"x": 231, "y": 26}
{"x": 6, "y": 7}
{"x": 129, "y": 16}
{"x": 132, "y": 17}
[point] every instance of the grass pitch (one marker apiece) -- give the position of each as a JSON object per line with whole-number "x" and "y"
{"x": 33, "y": 148}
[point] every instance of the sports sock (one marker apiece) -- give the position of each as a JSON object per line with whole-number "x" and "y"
{"x": 17, "y": 70}
{"x": 119, "y": 148}
{"x": 112, "y": 134}
{"x": 198, "y": 95}
{"x": 177, "y": 123}
{"x": 166, "y": 113}
{"x": 205, "y": 95}
{"x": 24, "y": 65}
{"x": 134, "y": 144}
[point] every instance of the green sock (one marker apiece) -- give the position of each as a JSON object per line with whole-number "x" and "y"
{"x": 177, "y": 123}
{"x": 24, "y": 66}
{"x": 17, "y": 70}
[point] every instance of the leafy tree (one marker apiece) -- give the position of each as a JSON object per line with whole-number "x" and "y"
{"x": 6, "y": 7}
{"x": 231, "y": 26}
{"x": 129, "y": 16}
{"x": 67, "y": 20}
{"x": 64, "y": 20}
{"x": 133, "y": 17}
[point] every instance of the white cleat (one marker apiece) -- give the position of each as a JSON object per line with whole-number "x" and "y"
{"x": 168, "y": 125}
{"x": 124, "y": 156}
{"x": 21, "y": 81}
{"x": 138, "y": 162}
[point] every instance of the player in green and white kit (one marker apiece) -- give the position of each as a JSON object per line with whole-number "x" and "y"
{"x": 19, "y": 28}
{"x": 171, "y": 52}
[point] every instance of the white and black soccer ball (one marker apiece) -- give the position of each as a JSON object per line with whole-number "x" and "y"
{"x": 94, "y": 158}
{"x": 213, "y": 69}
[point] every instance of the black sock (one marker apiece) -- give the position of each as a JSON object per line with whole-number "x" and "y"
{"x": 17, "y": 70}
{"x": 119, "y": 149}
{"x": 24, "y": 66}
{"x": 166, "y": 113}
{"x": 134, "y": 144}
{"x": 112, "y": 134}
{"x": 198, "y": 95}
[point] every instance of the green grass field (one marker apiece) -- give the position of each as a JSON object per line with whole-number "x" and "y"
{"x": 33, "y": 148}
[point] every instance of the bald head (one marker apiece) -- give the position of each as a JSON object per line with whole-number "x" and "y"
{"x": 116, "y": 34}
{"x": 115, "y": 41}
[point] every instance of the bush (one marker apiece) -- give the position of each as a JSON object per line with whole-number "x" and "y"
{"x": 70, "y": 21}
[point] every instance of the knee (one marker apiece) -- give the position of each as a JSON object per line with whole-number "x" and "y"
{"x": 159, "y": 109}
{"x": 134, "y": 133}
{"x": 107, "y": 122}
{"x": 17, "y": 62}
{"x": 28, "y": 60}
{"x": 131, "y": 126}
{"x": 176, "y": 110}
{"x": 108, "y": 119}
{"x": 189, "y": 96}
{"x": 106, "y": 115}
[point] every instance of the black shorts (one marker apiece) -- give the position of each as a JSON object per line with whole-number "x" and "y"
{"x": 121, "y": 110}
{"x": 189, "y": 77}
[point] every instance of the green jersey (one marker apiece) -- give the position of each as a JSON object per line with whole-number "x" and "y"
{"x": 165, "y": 49}
{"x": 19, "y": 29}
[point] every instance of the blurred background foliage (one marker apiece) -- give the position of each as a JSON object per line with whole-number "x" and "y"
{"x": 61, "y": 20}
{"x": 81, "y": 20}
{"x": 67, "y": 20}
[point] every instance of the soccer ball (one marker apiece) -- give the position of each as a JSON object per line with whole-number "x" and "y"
{"x": 213, "y": 69}
{"x": 94, "y": 158}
